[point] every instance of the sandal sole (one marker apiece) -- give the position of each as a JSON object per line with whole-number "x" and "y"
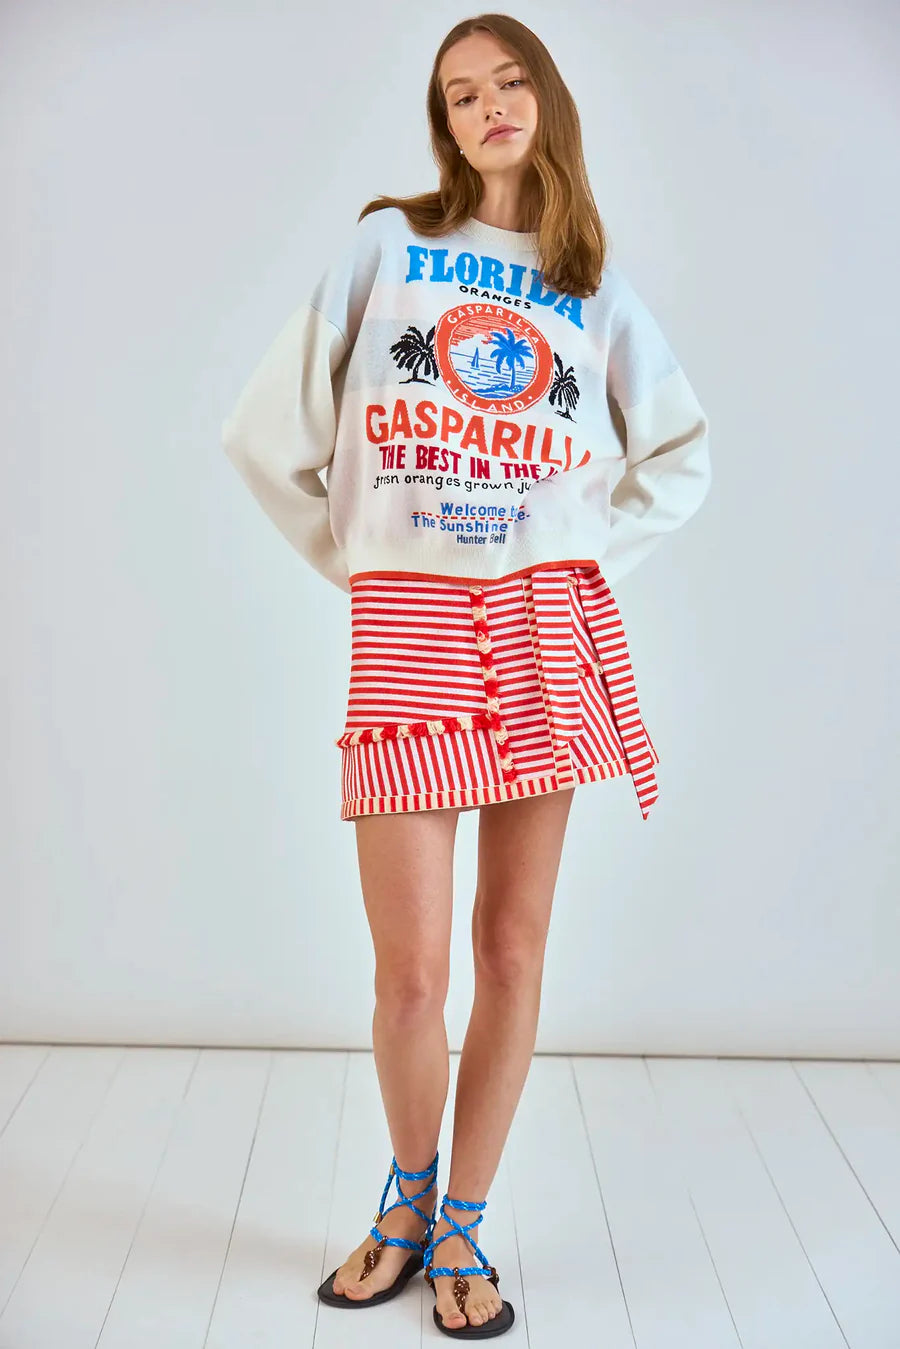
{"x": 325, "y": 1292}
{"x": 496, "y": 1326}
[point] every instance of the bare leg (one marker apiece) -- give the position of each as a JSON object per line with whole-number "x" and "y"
{"x": 519, "y": 850}
{"x": 406, "y": 870}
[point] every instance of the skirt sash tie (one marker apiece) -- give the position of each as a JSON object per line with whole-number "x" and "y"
{"x": 566, "y": 660}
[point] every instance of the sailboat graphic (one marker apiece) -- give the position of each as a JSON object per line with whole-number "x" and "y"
{"x": 508, "y": 367}
{"x": 491, "y": 357}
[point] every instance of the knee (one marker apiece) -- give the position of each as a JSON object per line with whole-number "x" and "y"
{"x": 506, "y": 948}
{"x": 409, "y": 989}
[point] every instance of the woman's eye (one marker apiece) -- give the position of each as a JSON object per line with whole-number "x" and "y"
{"x": 517, "y": 79}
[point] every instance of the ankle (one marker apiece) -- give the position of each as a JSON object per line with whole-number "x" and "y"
{"x": 424, "y": 1202}
{"x": 410, "y": 1188}
{"x": 469, "y": 1216}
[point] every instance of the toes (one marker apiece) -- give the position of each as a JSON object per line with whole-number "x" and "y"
{"x": 483, "y": 1311}
{"x": 350, "y": 1286}
{"x": 476, "y": 1313}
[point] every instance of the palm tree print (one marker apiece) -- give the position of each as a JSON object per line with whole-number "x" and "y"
{"x": 509, "y": 350}
{"x": 564, "y": 389}
{"x": 413, "y": 351}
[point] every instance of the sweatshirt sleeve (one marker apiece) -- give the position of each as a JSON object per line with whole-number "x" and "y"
{"x": 282, "y": 431}
{"x": 665, "y": 433}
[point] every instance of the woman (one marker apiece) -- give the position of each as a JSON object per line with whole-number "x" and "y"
{"x": 499, "y": 416}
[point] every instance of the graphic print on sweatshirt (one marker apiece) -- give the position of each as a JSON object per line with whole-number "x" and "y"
{"x": 491, "y": 366}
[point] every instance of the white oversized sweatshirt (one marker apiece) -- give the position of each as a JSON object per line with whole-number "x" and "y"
{"x": 471, "y": 422}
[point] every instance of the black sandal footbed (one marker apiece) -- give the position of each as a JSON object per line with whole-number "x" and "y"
{"x": 327, "y": 1294}
{"x": 495, "y": 1326}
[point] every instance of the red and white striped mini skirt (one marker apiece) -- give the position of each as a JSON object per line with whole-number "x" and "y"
{"x": 466, "y": 693}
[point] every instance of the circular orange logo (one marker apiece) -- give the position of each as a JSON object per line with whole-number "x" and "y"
{"x": 491, "y": 358}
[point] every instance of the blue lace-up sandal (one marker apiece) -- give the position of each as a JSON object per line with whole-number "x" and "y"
{"x": 496, "y": 1325}
{"x": 414, "y": 1263}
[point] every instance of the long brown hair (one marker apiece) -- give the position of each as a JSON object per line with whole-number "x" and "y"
{"x": 557, "y": 202}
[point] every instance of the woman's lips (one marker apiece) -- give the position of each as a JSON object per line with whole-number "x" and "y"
{"x": 502, "y": 135}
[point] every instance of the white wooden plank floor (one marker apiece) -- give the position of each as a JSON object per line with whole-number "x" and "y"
{"x": 194, "y": 1199}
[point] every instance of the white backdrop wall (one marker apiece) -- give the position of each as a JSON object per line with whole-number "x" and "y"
{"x": 174, "y": 869}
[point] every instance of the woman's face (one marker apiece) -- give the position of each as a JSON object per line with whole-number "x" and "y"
{"x": 485, "y": 87}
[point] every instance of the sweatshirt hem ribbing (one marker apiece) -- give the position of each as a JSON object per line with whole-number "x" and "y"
{"x": 411, "y": 573}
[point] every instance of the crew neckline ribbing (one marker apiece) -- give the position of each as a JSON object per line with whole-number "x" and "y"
{"x": 516, "y": 240}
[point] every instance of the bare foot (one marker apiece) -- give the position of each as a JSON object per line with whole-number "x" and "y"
{"x": 483, "y": 1301}
{"x": 400, "y": 1222}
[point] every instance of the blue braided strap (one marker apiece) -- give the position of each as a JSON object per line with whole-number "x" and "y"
{"x": 405, "y": 1199}
{"x": 471, "y": 1207}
